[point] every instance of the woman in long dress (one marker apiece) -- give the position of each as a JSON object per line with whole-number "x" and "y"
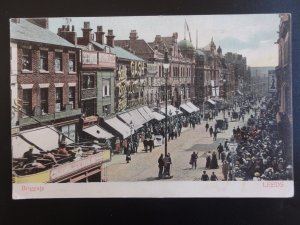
{"x": 214, "y": 161}
{"x": 208, "y": 160}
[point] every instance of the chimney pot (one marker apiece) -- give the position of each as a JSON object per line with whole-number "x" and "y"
{"x": 99, "y": 28}
{"x": 73, "y": 28}
{"x": 86, "y": 25}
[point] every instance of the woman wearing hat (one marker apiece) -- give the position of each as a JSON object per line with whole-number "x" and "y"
{"x": 256, "y": 176}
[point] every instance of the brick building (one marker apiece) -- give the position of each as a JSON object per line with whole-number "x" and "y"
{"x": 97, "y": 70}
{"x": 47, "y": 77}
{"x": 284, "y": 83}
{"x": 180, "y": 72}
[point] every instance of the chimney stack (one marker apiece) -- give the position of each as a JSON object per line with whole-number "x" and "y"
{"x": 133, "y": 35}
{"x": 87, "y": 32}
{"x": 100, "y": 35}
{"x": 110, "y": 38}
{"x": 65, "y": 33}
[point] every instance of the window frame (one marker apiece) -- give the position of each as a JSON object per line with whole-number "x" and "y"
{"x": 59, "y": 100}
{"x": 29, "y": 59}
{"x": 27, "y": 103}
{"x": 72, "y": 59}
{"x": 58, "y": 56}
{"x": 46, "y": 58}
{"x": 43, "y": 101}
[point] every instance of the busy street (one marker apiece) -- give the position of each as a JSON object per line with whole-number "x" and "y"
{"x": 162, "y": 109}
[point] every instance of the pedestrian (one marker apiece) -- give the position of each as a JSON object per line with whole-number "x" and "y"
{"x": 179, "y": 128}
{"x": 161, "y": 164}
{"x": 117, "y": 145}
{"x": 206, "y": 126}
{"x": 213, "y": 177}
{"x": 167, "y": 164}
{"x": 220, "y": 150}
{"x": 208, "y": 160}
{"x": 214, "y": 161}
{"x": 223, "y": 156}
{"x": 226, "y": 144}
{"x": 28, "y": 156}
{"x": 215, "y": 134}
{"x": 193, "y": 124}
{"x": 225, "y": 169}
{"x": 128, "y": 157}
{"x": 193, "y": 160}
{"x": 204, "y": 176}
{"x": 211, "y": 130}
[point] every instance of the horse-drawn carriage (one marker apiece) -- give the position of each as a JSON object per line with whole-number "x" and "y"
{"x": 222, "y": 124}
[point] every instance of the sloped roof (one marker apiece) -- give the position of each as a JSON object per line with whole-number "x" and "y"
{"x": 119, "y": 52}
{"x": 139, "y": 46}
{"x": 26, "y": 31}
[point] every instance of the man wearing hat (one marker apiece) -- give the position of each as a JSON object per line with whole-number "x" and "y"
{"x": 28, "y": 156}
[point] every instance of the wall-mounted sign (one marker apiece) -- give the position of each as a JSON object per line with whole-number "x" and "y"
{"x": 272, "y": 82}
{"x": 75, "y": 166}
{"x": 152, "y": 69}
{"x": 122, "y": 72}
{"x": 137, "y": 68}
{"x": 89, "y": 58}
{"x": 106, "y": 60}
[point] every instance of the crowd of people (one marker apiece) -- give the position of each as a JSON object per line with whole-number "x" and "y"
{"x": 260, "y": 154}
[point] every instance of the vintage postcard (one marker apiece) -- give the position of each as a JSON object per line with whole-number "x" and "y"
{"x": 152, "y": 106}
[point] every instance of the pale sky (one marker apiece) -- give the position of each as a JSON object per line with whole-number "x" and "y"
{"x": 252, "y": 36}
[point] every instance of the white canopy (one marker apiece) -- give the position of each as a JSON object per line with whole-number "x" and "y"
{"x": 46, "y": 138}
{"x": 119, "y": 126}
{"x": 191, "y": 105}
{"x": 128, "y": 118}
{"x": 186, "y": 108}
{"x": 20, "y": 146}
{"x": 173, "y": 110}
{"x": 98, "y": 132}
{"x": 158, "y": 116}
{"x": 211, "y": 101}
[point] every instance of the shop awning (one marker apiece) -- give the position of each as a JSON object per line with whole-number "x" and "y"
{"x": 173, "y": 110}
{"x": 20, "y": 146}
{"x": 211, "y": 101}
{"x": 186, "y": 108}
{"x": 46, "y": 138}
{"x": 158, "y": 116}
{"x": 119, "y": 126}
{"x": 98, "y": 132}
{"x": 127, "y": 118}
{"x": 146, "y": 113}
{"x": 191, "y": 105}
{"x": 137, "y": 117}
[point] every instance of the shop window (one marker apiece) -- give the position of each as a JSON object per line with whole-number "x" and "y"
{"x": 106, "y": 110}
{"x": 27, "y": 102}
{"x": 26, "y": 59}
{"x": 58, "y": 61}
{"x": 72, "y": 96}
{"x": 88, "y": 81}
{"x": 71, "y": 62}
{"x": 58, "y": 99}
{"x": 106, "y": 88}
{"x": 44, "y": 60}
{"x": 44, "y": 100}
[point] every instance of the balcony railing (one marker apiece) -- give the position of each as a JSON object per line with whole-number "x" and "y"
{"x": 49, "y": 117}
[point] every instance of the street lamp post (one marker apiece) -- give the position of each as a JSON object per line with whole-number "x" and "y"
{"x": 166, "y": 65}
{"x": 131, "y": 129}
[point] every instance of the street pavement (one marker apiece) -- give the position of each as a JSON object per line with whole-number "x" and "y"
{"x": 144, "y": 166}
